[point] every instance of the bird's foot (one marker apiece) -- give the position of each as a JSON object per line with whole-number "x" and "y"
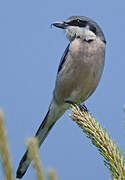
{"x": 82, "y": 107}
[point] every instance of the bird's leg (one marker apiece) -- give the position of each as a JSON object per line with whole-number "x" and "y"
{"x": 81, "y": 106}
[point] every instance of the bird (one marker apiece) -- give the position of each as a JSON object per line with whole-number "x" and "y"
{"x": 78, "y": 74}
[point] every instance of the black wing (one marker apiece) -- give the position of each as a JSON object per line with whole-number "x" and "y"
{"x": 63, "y": 59}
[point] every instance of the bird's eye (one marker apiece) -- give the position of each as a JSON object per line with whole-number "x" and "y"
{"x": 78, "y": 20}
{"x": 93, "y": 29}
{"x": 74, "y": 22}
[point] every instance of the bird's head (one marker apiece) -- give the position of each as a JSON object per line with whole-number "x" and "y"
{"x": 80, "y": 27}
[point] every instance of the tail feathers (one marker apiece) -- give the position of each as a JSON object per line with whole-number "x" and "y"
{"x": 41, "y": 135}
{"x": 23, "y": 166}
{"x": 44, "y": 128}
{"x": 51, "y": 117}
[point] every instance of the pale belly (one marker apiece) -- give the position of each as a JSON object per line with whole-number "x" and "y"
{"x": 80, "y": 74}
{"x": 78, "y": 83}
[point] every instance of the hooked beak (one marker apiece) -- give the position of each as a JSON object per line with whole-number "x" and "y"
{"x": 61, "y": 25}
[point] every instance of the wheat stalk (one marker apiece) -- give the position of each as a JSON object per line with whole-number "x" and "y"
{"x": 102, "y": 140}
{"x": 33, "y": 154}
{"x": 5, "y": 150}
{"x": 52, "y": 174}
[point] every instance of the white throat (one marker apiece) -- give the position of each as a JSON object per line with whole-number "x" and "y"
{"x": 75, "y": 31}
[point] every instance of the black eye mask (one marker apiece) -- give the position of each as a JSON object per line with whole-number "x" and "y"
{"x": 77, "y": 22}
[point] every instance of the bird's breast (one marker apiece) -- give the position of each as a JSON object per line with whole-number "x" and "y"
{"x": 81, "y": 72}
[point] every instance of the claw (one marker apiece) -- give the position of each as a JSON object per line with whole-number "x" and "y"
{"x": 83, "y": 107}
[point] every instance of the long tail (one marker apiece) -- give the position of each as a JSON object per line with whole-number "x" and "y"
{"x": 51, "y": 117}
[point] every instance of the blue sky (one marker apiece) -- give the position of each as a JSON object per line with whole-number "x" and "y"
{"x": 29, "y": 58}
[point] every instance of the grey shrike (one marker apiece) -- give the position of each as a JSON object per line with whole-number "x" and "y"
{"x": 78, "y": 74}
